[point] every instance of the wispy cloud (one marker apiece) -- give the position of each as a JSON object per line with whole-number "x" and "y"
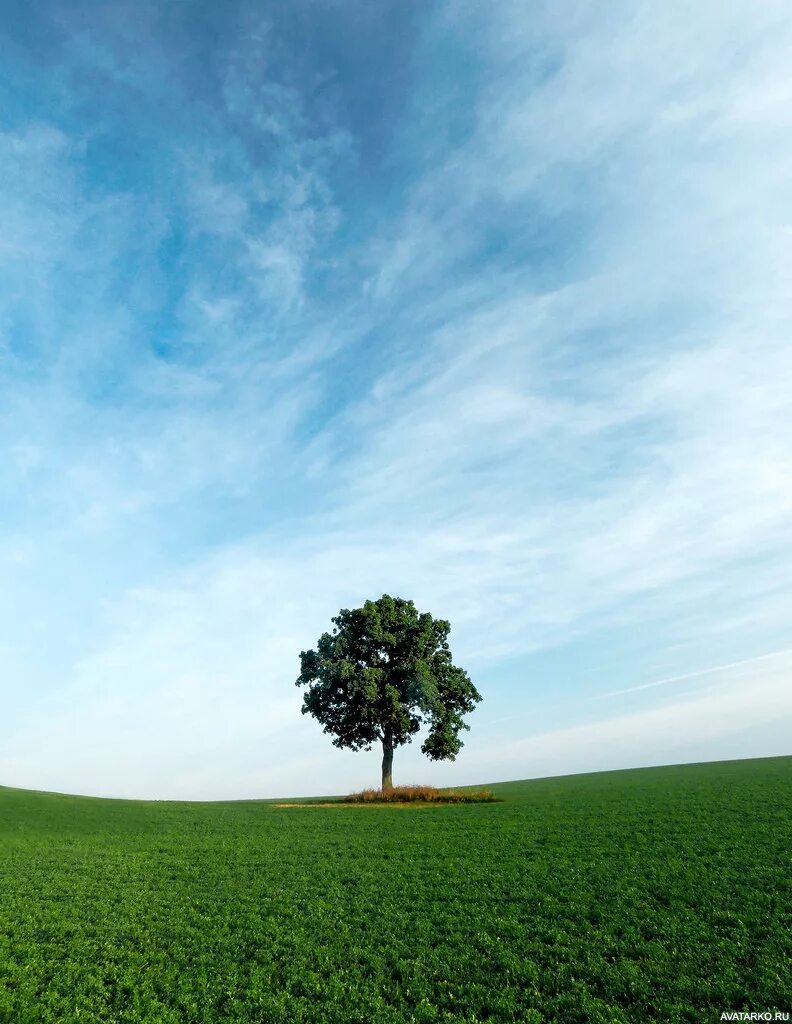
{"x": 743, "y": 711}
{"x": 512, "y": 342}
{"x": 714, "y": 670}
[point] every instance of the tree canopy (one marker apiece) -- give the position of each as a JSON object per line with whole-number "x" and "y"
{"x": 383, "y": 673}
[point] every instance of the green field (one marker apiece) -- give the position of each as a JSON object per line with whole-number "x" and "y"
{"x": 659, "y": 894}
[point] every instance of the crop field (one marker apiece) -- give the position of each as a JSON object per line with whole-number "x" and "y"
{"x": 650, "y": 895}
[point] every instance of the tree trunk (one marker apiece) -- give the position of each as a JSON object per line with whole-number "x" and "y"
{"x": 387, "y": 764}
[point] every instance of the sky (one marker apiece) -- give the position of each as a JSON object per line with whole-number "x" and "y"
{"x": 483, "y": 305}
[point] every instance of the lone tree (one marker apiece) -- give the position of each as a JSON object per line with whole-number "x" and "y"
{"x": 383, "y": 672}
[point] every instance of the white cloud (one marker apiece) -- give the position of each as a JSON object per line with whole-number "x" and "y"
{"x": 548, "y": 438}
{"x": 714, "y": 670}
{"x": 192, "y": 696}
{"x": 745, "y": 710}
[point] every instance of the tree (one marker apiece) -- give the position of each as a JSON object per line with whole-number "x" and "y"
{"x": 383, "y": 672}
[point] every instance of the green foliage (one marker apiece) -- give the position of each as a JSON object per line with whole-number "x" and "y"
{"x": 383, "y": 672}
{"x": 660, "y": 895}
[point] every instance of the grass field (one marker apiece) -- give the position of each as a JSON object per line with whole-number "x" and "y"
{"x": 651, "y": 895}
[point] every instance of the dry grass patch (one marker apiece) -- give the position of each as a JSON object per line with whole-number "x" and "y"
{"x": 419, "y": 795}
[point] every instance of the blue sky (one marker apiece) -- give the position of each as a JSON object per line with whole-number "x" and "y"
{"x": 483, "y": 305}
